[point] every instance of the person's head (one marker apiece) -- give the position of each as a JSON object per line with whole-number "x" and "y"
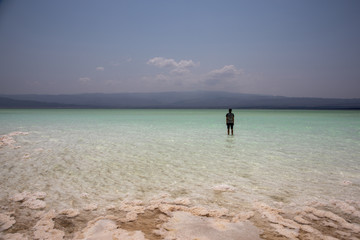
{"x": 230, "y": 110}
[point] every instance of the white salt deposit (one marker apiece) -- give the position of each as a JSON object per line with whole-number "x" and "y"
{"x": 30, "y": 200}
{"x": 182, "y": 201}
{"x": 91, "y": 207}
{"x": 182, "y": 222}
{"x": 105, "y": 228}
{"x": 131, "y": 216}
{"x": 224, "y": 188}
{"x": 14, "y": 236}
{"x": 185, "y": 226}
{"x": 6, "y": 221}
{"x": 18, "y": 197}
{"x": 8, "y": 140}
{"x": 70, "y": 212}
{"x": 34, "y": 204}
{"x": 334, "y": 217}
{"x": 301, "y": 220}
{"x": 44, "y": 228}
{"x": 243, "y": 216}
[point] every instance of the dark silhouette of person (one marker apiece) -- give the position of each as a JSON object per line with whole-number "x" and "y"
{"x": 230, "y": 122}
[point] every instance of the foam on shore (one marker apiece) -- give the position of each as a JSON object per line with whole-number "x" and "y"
{"x": 166, "y": 218}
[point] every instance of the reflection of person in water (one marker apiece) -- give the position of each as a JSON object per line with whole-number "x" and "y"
{"x": 230, "y": 122}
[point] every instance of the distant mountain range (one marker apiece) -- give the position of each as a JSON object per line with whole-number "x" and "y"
{"x": 174, "y": 100}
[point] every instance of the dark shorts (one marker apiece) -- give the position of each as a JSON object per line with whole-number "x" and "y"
{"x": 230, "y": 125}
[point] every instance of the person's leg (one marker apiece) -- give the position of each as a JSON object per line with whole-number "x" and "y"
{"x": 232, "y": 129}
{"x": 228, "y": 128}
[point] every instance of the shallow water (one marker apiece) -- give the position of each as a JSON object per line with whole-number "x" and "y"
{"x": 275, "y": 156}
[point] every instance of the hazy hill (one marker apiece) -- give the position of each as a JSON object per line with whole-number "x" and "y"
{"x": 173, "y": 100}
{"x": 13, "y": 103}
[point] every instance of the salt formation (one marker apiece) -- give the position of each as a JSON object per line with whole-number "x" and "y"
{"x": 346, "y": 183}
{"x": 132, "y": 206}
{"x": 178, "y": 219}
{"x": 34, "y": 204}
{"x": 243, "y": 216}
{"x": 332, "y": 216}
{"x": 84, "y": 195}
{"x": 301, "y": 220}
{"x": 182, "y": 201}
{"x": 345, "y": 208}
{"x": 105, "y": 228}
{"x": 168, "y": 206}
{"x": 14, "y": 236}
{"x": 184, "y": 226}
{"x": 6, "y": 221}
{"x": 44, "y": 228}
{"x": 91, "y": 207}
{"x": 70, "y": 213}
{"x": 223, "y": 188}
{"x": 110, "y": 207}
{"x": 313, "y": 223}
{"x": 131, "y": 216}
{"x": 32, "y": 201}
{"x": 19, "y": 196}
{"x": 285, "y": 227}
{"x": 17, "y": 133}
{"x": 8, "y": 140}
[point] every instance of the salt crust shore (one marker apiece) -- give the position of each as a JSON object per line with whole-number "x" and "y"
{"x": 8, "y": 140}
{"x": 25, "y": 216}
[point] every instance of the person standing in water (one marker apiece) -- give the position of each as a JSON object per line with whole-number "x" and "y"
{"x": 230, "y": 122}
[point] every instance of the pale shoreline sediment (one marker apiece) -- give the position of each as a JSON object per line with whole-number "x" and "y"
{"x": 26, "y": 216}
{"x": 33, "y": 215}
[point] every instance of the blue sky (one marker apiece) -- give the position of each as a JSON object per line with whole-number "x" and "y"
{"x": 282, "y": 47}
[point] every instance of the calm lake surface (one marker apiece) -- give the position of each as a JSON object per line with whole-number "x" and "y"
{"x": 274, "y": 156}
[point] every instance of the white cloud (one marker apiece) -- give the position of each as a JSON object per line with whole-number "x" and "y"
{"x": 180, "y": 67}
{"x": 186, "y": 64}
{"x": 100, "y": 69}
{"x": 162, "y": 62}
{"x": 178, "y": 76}
{"x": 228, "y": 73}
{"x": 84, "y": 79}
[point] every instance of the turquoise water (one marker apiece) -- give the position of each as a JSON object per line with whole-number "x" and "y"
{"x": 274, "y": 156}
